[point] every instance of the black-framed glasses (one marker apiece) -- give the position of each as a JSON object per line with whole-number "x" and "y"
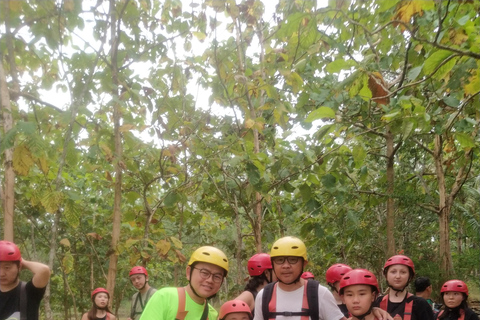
{"x": 281, "y": 260}
{"x": 205, "y": 274}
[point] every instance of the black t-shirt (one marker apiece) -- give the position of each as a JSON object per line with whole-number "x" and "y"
{"x": 421, "y": 310}
{"x": 343, "y": 308}
{"x": 10, "y": 301}
{"x": 469, "y": 315}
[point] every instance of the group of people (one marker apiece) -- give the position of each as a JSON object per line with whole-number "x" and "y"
{"x": 278, "y": 288}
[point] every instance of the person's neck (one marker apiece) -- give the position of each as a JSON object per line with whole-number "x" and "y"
{"x": 397, "y": 296}
{"x": 423, "y": 295}
{"x": 367, "y": 317}
{"x": 194, "y": 297}
{"x": 292, "y": 286}
{"x": 144, "y": 289}
{"x": 10, "y": 286}
{"x": 101, "y": 313}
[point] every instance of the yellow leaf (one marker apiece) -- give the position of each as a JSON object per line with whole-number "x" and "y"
{"x": 176, "y": 242}
{"x": 126, "y": 127}
{"x": 22, "y": 160}
{"x": 473, "y": 86}
{"x": 249, "y": 123}
{"x": 407, "y": 9}
{"x": 457, "y": 37}
{"x": 163, "y": 246}
{"x": 65, "y": 242}
{"x": 42, "y": 163}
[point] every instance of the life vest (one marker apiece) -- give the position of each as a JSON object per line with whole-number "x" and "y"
{"x": 309, "y": 302}
{"x": 408, "y": 306}
{"x": 181, "y": 312}
{"x": 462, "y": 314}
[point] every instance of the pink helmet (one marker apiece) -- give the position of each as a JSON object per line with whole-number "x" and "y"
{"x": 138, "y": 270}
{"x": 336, "y": 272}
{"x": 307, "y": 275}
{"x": 358, "y": 276}
{"x": 98, "y": 290}
{"x": 400, "y": 259}
{"x": 9, "y": 251}
{"x": 454, "y": 285}
{"x": 258, "y": 263}
{"x": 234, "y": 306}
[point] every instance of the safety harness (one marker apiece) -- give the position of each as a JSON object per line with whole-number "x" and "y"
{"x": 309, "y": 303}
{"x": 181, "y": 312}
{"x": 139, "y": 297}
{"x": 407, "y": 313}
{"x": 462, "y": 314}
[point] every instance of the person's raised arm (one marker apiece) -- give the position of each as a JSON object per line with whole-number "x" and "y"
{"x": 41, "y": 272}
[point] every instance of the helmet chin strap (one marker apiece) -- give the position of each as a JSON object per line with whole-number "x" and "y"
{"x": 362, "y": 316}
{"x": 195, "y": 292}
{"x": 293, "y": 282}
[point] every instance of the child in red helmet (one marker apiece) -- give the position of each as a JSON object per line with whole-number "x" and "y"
{"x": 399, "y": 303}
{"x": 261, "y": 273}
{"x": 139, "y": 278}
{"x": 454, "y": 295}
{"x": 99, "y": 310}
{"x": 333, "y": 276}
{"x": 12, "y": 305}
{"x": 359, "y": 289}
{"x": 235, "y": 310}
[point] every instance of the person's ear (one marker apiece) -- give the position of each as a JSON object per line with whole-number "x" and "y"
{"x": 188, "y": 272}
{"x": 305, "y": 263}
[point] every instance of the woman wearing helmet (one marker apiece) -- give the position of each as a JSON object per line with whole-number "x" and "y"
{"x": 205, "y": 273}
{"x": 359, "y": 289}
{"x": 12, "y": 289}
{"x": 454, "y": 295}
{"x": 99, "y": 310}
{"x": 139, "y": 278}
{"x": 235, "y": 310}
{"x": 260, "y": 271}
{"x": 399, "y": 303}
{"x": 333, "y": 276}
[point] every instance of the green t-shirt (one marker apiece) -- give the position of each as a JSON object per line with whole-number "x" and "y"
{"x": 163, "y": 305}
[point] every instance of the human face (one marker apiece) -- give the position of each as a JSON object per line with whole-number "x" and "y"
{"x": 398, "y": 276}
{"x": 358, "y": 298}
{"x": 453, "y": 299}
{"x": 101, "y": 300}
{"x": 9, "y": 271}
{"x": 237, "y": 316}
{"x": 205, "y": 286}
{"x": 138, "y": 280}
{"x": 288, "y": 269}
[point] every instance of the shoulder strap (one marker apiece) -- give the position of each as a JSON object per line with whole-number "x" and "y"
{"x": 407, "y": 313}
{"x": 134, "y": 309}
{"x": 23, "y": 300}
{"x": 181, "y": 312}
{"x": 462, "y": 314}
{"x": 312, "y": 298}
{"x": 205, "y": 311}
{"x": 384, "y": 303}
{"x": 267, "y": 296}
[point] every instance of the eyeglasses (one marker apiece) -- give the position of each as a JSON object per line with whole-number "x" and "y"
{"x": 205, "y": 274}
{"x": 281, "y": 260}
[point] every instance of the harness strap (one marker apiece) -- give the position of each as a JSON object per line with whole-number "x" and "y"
{"x": 272, "y": 306}
{"x": 462, "y": 314}
{"x": 181, "y": 312}
{"x": 23, "y": 300}
{"x": 407, "y": 307}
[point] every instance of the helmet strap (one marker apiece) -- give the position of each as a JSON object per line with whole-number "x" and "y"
{"x": 294, "y": 281}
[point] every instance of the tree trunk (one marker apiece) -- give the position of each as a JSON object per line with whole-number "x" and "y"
{"x": 117, "y": 212}
{"x": 9, "y": 185}
{"x": 239, "y": 246}
{"x": 390, "y": 191}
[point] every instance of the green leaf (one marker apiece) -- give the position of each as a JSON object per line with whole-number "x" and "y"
{"x": 253, "y": 174}
{"x": 465, "y": 140}
{"x": 171, "y": 199}
{"x": 435, "y": 59}
{"x": 329, "y": 181}
{"x": 338, "y": 65}
{"x": 320, "y": 113}
{"x": 414, "y": 72}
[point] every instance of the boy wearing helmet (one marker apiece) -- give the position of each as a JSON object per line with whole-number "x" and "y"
{"x": 139, "y": 277}
{"x": 235, "y": 310}
{"x": 261, "y": 273}
{"x": 454, "y": 295}
{"x": 333, "y": 276}
{"x": 205, "y": 273}
{"x": 15, "y": 296}
{"x": 294, "y": 298}
{"x": 359, "y": 289}
{"x": 399, "y": 303}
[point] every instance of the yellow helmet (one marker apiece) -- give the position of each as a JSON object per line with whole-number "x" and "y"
{"x": 289, "y": 247}
{"x": 210, "y": 255}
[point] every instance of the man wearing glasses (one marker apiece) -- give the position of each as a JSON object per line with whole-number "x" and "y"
{"x": 206, "y": 269}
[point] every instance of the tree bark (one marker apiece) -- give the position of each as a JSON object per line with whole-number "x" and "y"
{"x": 390, "y": 191}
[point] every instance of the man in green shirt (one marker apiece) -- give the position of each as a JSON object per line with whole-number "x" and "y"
{"x": 206, "y": 270}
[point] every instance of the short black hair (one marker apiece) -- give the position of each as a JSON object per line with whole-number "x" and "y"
{"x": 422, "y": 283}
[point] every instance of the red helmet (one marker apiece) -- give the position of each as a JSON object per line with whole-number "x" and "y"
{"x": 138, "y": 270}
{"x": 258, "y": 263}
{"x": 9, "y": 251}
{"x": 399, "y": 259}
{"x": 98, "y": 290}
{"x": 358, "y": 276}
{"x": 307, "y": 275}
{"x": 455, "y": 285}
{"x": 336, "y": 272}
{"x": 234, "y": 306}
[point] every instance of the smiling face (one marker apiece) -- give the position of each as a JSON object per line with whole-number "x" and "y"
{"x": 101, "y": 300}
{"x": 453, "y": 299}
{"x": 398, "y": 276}
{"x": 358, "y": 298}
{"x": 138, "y": 280}
{"x": 9, "y": 271}
{"x": 205, "y": 278}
